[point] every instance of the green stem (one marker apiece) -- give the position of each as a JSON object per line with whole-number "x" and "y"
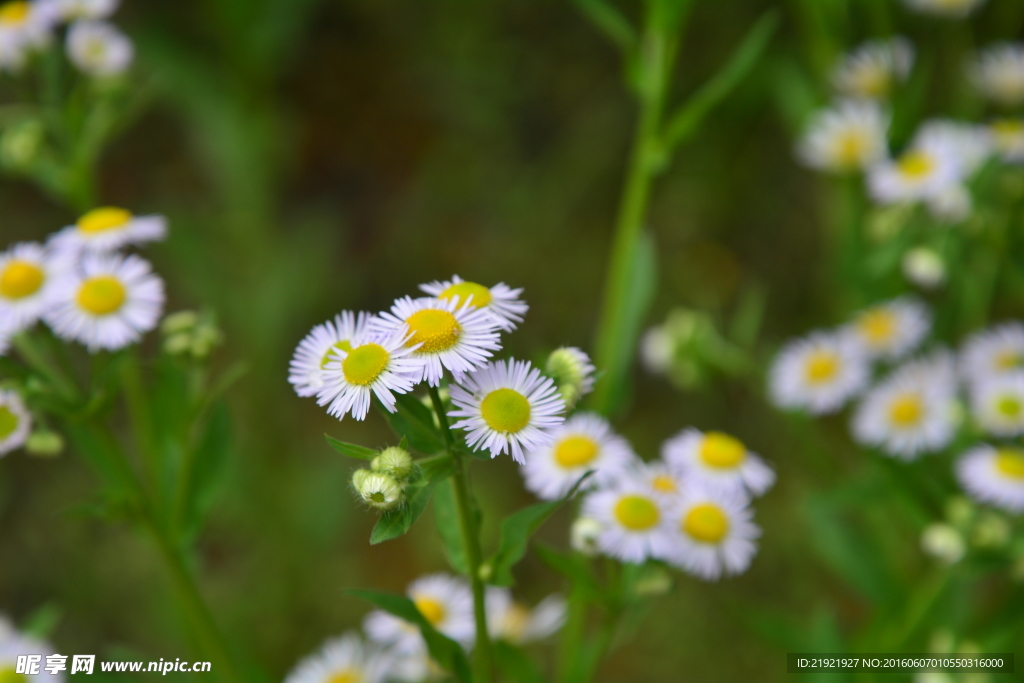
{"x": 573, "y": 634}
{"x": 31, "y": 352}
{"x": 483, "y": 656}
{"x": 615, "y": 343}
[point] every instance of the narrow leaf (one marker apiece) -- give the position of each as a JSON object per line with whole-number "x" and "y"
{"x": 415, "y": 422}
{"x": 395, "y": 523}
{"x": 206, "y": 467}
{"x": 572, "y": 566}
{"x": 447, "y": 518}
{"x": 444, "y": 650}
{"x": 437, "y": 468}
{"x": 686, "y": 119}
{"x": 515, "y": 664}
{"x": 610, "y": 22}
{"x": 351, "y": 449}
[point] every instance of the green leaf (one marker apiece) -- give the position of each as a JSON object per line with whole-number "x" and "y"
{"x": 447, "y": 518}
{"x": 610, "y": 22}
{"x": 207, "y": 465}
{"x": 516, "y": 531}
{"x": 515, "y": 664}
{"x": 351, "y": 449}
{"x": 395, "y": 523}
{"x": 438, "y": 467}
{"x": 685, "y": 121}
{"x": 572, "y": 566}
{"x": 444, "y": 650}
{"x": 42, "y": 622}
{"x": 415, "y": 422}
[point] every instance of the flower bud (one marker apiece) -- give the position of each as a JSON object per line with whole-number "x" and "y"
{"x": 943, "y": 542}
{"x": 924, "y": 267}
{"x": 960, "y": 511}
{"x": 991, "y": 531}
{"x": 182, "y": 321}
{"x": 572, "y": 372}
{"x": 44, "y": 443}
{"x": 583, "y": 535}
{"x": 379, "y": 490}
{"x": 20, "y": 144}
{"x": 394, "y": 462}
{"x": 654, "y": 581}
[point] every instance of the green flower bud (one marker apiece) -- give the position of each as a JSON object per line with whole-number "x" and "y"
{"x": 20, "y": 144}
{"x": 44, "y": 443}
{"x": 182, "y": 321}
{"x": 943, "y": 542}
{"x": 991, "y": 531}
{"x": 924, "y": 267}
{"x": 960, "y": 511}
{"x": 583, "y": 535}
{"x": 379, "y": 490}
{"x": 394, "y": 462}
{"x": 358, "y": 477}
{"x": 572, "y": 372}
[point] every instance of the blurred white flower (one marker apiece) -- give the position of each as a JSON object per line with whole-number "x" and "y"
{"x": 714, "y": 534}
{"x": 818, "y": 373}
{"x": 28, "y": 275}
{"x": 71, "y": 10}
{"x": 15, "y": 423}
{"x": 943, "y": 542}
{"x": 24, "y": 26}
{"x": 446, "y": 603}
{"x": 850, "y": 137}
{"x": 14, "y": 644}
{"x": 997, "y": 403}
{"x": 924, "y": 267}
{"x": 346, "y": 659}
{"x": 635, "y": 523}
{"x": 871, "y": 70}
{"x": 109, "y": 228}
{"x": 920, "y": 173}
{"x": 945, "y": 8}
{"x": 717, "y": 461}
{"x": 1008, "y": 139}
{"x": 516, "y": 623}
{"x": 998, "y": 72}
{"x": 993, "y": 352}
{"x": 891, "y": 329}
{"x": 994, "y": 475}
{"x": 501, "y": 301}
{"x": 99, "y": 48}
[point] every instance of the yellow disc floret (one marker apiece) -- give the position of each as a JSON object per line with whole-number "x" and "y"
{"x": 575, "y": 451}
{"x": 14, "y": 12}
{"x": 21, "y": 279}
{"x": 906, "y": 411}
{"x": 1009, "y": 359}
{"x": 344, "y": 345}
{"x": 663, "y": 483}
{"x": 9, "y": 674}
{"x": 1009, "y": 406}
{"x": 8, "y": 422}
{"x": 1010, "y": 463}
{"x": 637, "y": 513}
{"x": 434, "y": 329}
{"x": 916, "y": 164}
{"x": 464, "y": 290}
{"x": 364, "y": 364}
{"x": 103, "y": 219}
{"x": 505, "y": 410}
{"x": 346, "y": 676}
{"x": 821, "y": 367}
{"x": 432, "y": 610}
{"x": 722, "y": 451}
{"x": 850, "y": 148}
{"x": 706, "y": 523}
{"x": 101, "y": 295}
{"x": 877, "y": 326}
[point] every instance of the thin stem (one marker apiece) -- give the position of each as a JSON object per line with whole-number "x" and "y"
{"x": 573, "y": 634}
{"x": 29, "y": 350}
{"x": 483, "y": 656}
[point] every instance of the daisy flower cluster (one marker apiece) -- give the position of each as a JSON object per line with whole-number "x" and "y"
{"x": 95, "y": 46}
{"x": 393, "y": 649}
{"x": 14, "y": 644}
{"x": 907, "y": 408}
{"x": 85, "y": 287}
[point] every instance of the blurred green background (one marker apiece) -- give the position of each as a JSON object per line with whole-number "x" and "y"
{"x": 319, "y": 155}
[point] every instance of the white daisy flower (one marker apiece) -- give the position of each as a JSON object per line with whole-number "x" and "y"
{"x": 951, "y": 204}
{"x": 501, "y": 301}
{"x": 448, "y": 334}
{"x": 380, "y": 365}
{"x": 27, "y": 276}
{"x": 718, "y": 461}
{"x": 968, "y": 143}
{"x": 920, "y": 173}
{"x": 998, "y": 72}
{"x": 998, "y": 404}
{"x": 71, "y": 10}
{"x": 945, "y": 8}
{"x": 98, "y": 48}
{"x": 891, "y": 329}
{"x": 850, "y": 137}
{"x": 305, "y": 372}
{"x": 871, "y": 70}
{"x": 660, "y": 479}
{"x": 13, "y": 644}
{"x": 1008, "y": 139}
{"x": 818, "y": 373}
{"x": 994, "y": 475}
{"x": 516, "y": 623}
{"x": 713, "y": 534}
{"x": 108, "y": 229}
{"x": 109, "y": 303}
{"x": 24, "y": 26}
{"x": 15, "y": 421}
{"x": 993, "y": 352}
{"x": 636, "y": 525}
{"x": 912, "y": 411}
{"x": 585, "y": 442}
{"x": 445, "y": 601}
{"x": 507, "y": 407}
{"x": 345, "y": 659}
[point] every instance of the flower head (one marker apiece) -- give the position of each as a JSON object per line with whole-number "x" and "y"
{"x": 921, "y": 173}
{"x": 450, "y": 334}
{"x": 573, "y": 373}
{"x": 28, "y": 274}
{"x": 70, "y": 10}
{"x": 110, "y": 302}
{"x": 994, "y": 475}
{"x": 24, "y": 26}
{"x": 717, "y": 461}
{"x": 444, "y": 601}
{"x": 998, "y": 404}
{"x": 305, "y": 372}
{"x": 501, "y": 301}
{"x": 14, "y": 644}
{"x": 15, "y": 421}
{"x": 994, "y": 352}
{"x": 713, "y": 534}
{"x": 516, "y": 623}
{"x": 871, "y": 70}
{"x": 507, "y": 407}
{"x": 891, "y": 329}
{"x": 998, "y": 73}
{"x": 850, "y": 137}
{"x": 636, "y": 525}
{"x": 107, "y": 229}
{"x": 1008, "y": 139}
{"x": 346, "y": 659}
{"x": 99, "y": 48}
{"x": 378, "y": 490}
{"x": 818, "y": 373}
{"x": 955, "y": 9}
{"x": 585, "y": 442}
{"x": 394, "y": 461}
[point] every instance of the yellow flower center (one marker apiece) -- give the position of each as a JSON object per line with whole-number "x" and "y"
{"x": 906, "y": 410}
{"x": 463, "y": 290}
{"x": 706, "y": 523}
{"x": 20, "y": 279}
{"x": 14, "y": 12}
{"x": 1009, "y": 406}
{"x": 850, "y": 148}
{"x": 1010, "y": 462}
{"x": 516, "y": 619}
{"x": 916, "y": 164}
{"x": 574, "y": 451}
{"x": 343, "y": 345}
{"x": 436, "y": 330}
{"x": 505, "y": 410}
{"x": 101, "y": 295}
{"x": 877, "y": 326}
{"x": 1008, "y": 360}
{"x": 432, "y": 610}
{"x": 103, "y": 219}
{"x": 664, "y": 484}
{"x": 1008, "y": 127}
{"x": 9, "y": 674}
{"x": 873, "y": 81}
{"x": 637, "y": 513}
{"x": 8, "y": 423}
{"x": 721, "y": 451}
{"x": 821, "y": 367}
{"x": 364, "y": 364}
{"x": 345, "y": 676}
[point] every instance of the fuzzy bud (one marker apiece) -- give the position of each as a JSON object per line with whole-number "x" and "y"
{"x": 991, "y": 531}
{"x": 924, "y": 267}
{"x": 583, "y": 535}
{"x": 572, "y": 372}
{"x": 44, "y": 443}
{"x": 379, "y": 490}
{"x": 394, "y": 462}
{"x": 943, "y": 542}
